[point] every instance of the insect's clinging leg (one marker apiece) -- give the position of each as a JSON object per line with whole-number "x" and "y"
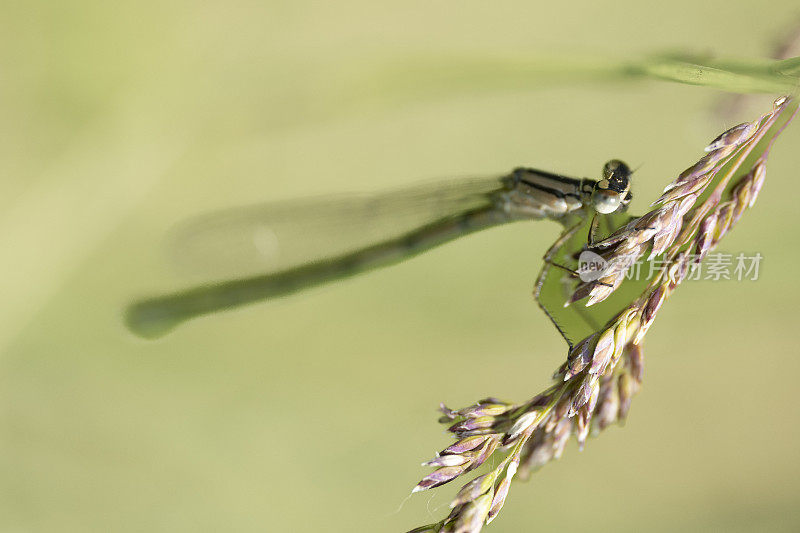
{"x": 593, "y": 230}
{"x": 548, "y": 257}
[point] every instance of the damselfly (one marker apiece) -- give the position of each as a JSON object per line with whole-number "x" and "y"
{"x": 300, "y": 244}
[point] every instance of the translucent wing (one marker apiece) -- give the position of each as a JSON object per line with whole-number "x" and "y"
{"x": 284, "y": 235}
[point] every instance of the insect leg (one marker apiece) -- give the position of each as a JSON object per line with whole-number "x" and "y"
{"x": 548, "y": 257}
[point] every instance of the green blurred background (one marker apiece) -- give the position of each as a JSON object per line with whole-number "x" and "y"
{"x": 312, "y": 413}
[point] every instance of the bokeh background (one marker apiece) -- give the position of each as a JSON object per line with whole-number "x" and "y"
{"x": 120, "y": 119}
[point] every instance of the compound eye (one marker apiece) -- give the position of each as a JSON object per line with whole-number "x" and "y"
{"x": 605, "y": 201}
{"x": 616, "y": 168}
{"x": 616, "y": 176}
